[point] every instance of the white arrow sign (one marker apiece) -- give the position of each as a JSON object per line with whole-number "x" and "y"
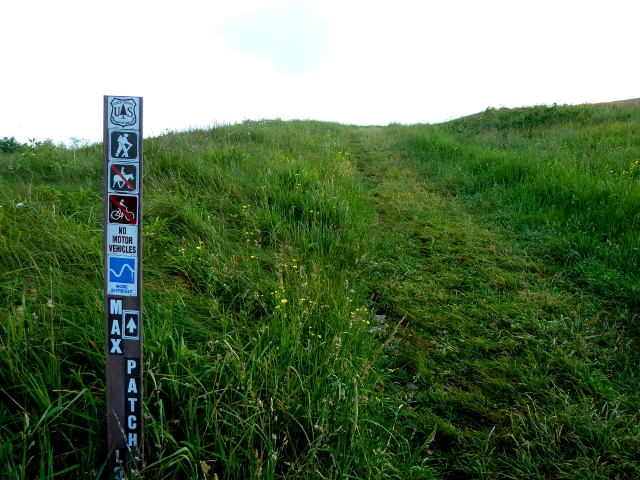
{"x": 131, "y": 325}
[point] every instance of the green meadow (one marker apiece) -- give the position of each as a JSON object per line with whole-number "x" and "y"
{"x": 327, "y": 301}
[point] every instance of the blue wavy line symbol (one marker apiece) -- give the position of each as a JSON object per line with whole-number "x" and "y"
{"x": 117, "y": 267}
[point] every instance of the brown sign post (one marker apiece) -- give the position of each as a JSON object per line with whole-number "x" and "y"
{"x": 123, "y": 280}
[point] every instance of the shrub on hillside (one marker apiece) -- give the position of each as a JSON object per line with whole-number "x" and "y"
{"x": 9, "y": 145}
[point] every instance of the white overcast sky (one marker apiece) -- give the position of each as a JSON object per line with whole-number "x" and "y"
{"x": 198, "y": 63}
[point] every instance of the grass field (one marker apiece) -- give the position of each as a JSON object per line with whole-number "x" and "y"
{"x": 326, "y": 301}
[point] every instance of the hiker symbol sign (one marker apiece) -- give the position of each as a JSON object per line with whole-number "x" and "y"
{"x": 123, "y": 145}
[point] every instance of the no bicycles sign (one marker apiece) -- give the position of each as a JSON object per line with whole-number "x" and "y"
{"x": 123, "y": 281}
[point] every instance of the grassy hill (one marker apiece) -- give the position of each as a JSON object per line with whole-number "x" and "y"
{"x": 631, "y": 101}
{"x": 327, "y": 301}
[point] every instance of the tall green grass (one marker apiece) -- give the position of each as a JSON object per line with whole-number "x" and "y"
{"x": 570, "y": 171}
{"x": 512, "y": 369}
{"x": 260, "y": 361}
{"x": 323, "y": 301}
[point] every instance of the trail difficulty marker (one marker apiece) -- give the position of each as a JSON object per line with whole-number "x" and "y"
{"x": 123, "y": 280}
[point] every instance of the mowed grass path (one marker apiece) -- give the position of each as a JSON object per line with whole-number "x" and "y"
{"x": 327, "y": 301}
{"x": 259, "y": 356}
{"x": 518, "y": 373}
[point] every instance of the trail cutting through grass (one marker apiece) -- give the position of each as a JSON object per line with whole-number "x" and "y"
{"x": 520, "y": 374}
{"x": 259, "y": 357}
{"x": 326, "y": 301}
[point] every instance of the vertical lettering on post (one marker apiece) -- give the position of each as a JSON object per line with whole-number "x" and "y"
{"x": 132, "y": 401}
{"x": 113, "y": 327}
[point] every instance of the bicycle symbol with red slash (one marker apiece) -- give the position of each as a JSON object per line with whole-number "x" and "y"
{"x": 123, "y": 209}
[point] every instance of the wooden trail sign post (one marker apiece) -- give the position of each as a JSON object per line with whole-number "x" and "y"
{"x": 123, "y": 280}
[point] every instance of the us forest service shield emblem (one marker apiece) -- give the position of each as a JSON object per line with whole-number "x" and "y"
{"x": 123, "y": 111}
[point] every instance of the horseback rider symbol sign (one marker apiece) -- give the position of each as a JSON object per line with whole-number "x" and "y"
{"x": 123, "y": 178}
{"x": 123, "y": 145}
